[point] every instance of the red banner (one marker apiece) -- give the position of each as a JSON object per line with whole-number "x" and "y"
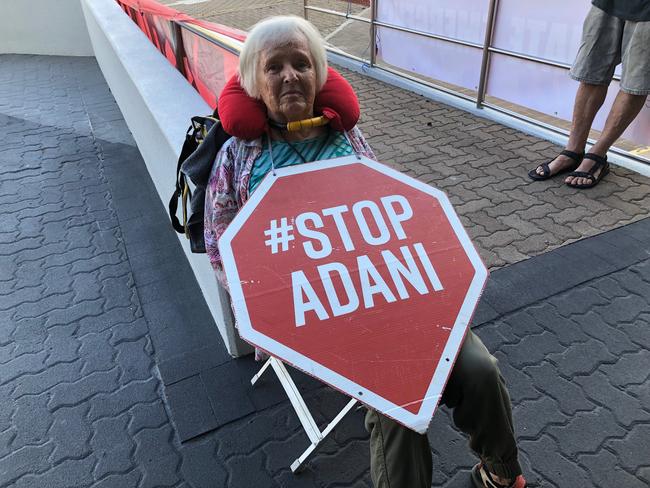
{"x": 154, "y": 8}
{"x": 206, "y": 65}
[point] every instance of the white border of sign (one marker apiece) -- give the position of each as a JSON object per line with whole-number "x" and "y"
{"x": 418, "y": 422}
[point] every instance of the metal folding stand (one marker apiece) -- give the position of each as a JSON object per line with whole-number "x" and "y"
{"x": 316, "y": 436}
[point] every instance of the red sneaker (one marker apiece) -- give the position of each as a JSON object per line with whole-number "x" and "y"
{"x": 482, "y": 479}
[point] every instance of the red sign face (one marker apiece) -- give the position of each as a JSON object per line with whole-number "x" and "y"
{"x": 358, "y": 275}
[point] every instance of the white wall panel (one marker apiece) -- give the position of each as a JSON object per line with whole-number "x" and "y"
{"x": 43, "y": 27}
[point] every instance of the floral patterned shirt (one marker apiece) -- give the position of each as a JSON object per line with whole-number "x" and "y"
{"x": 227, "y": 189}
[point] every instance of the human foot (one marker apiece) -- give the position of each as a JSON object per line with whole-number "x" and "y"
{"x": 565, "y": 161}
{"x": 592, "y": 169}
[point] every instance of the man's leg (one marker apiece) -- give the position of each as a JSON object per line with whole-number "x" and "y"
{"x": 588, "y": 101}
{"x": 399, "y": 457}
{"x": 625, "y": 109}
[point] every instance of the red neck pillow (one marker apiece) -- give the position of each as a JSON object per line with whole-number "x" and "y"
{"x": 245, "y": 117}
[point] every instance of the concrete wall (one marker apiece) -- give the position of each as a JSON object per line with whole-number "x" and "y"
{"x": 157, "y": 104}
{"x": 54, "y": 27}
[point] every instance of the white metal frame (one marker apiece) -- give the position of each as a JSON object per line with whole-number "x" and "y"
{"x": 316, "y": 436}
{"x": 558, "y": 135}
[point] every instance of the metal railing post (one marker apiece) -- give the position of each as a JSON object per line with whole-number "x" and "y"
{"x": 485, "y": 61}
{"x": 179, "y": 47}
{"x": 305, "y": 9}
{"x": 373, "y": 32}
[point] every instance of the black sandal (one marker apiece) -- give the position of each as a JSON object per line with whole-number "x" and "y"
{"x": 599, "y": 162}
{"x": 546, "y": 171}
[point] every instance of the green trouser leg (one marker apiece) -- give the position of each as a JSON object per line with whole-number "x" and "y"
{"x": 401, "y": 458}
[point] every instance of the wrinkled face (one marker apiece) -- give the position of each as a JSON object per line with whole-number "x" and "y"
{"x": 286, "y": 79}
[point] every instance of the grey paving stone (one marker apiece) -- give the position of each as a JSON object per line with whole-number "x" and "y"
{"x": 637, "y": 330}
{"x": 22, "y": 365}
{"x": 147, "y": 416}
{"x": 625, "y": 246}
{"x": 127, "y": 480}
{"x": 533, "y": 417}
{"x": 229, "y": 393}
{"x": 605, "y": 471}
{"x": 161, "y": 290}
{"x": 626, "y": 409}
{"x": 568, "y": 330}
{"x": 525, "y": 354}
{"x": 180, "y": 328}
{"x": 112, "y": 445}
{"x": 581, "y": 359}
{"x": 96, "y": 263}
{"x": 129, "y": 208}
{"x": 546, "y": 457}
{"x": 70, "y": 434}
{"x": 135, "y": 360}
{"x": 36, "y": 384}
{"x": 5, "y": 441}
{"x": 124, "y": 398}
{"x": 640, "y": 231}
{"x": 522, "y": 323}
{"x": 241, "y": 438}
{"x": 623, "y": 309}
{"x": 249, "y": 470}
{"x": 170, "y": 272}
{"x": 201, "y": 468}
{"x": 631, "y": 369}
{"x": 157, "y": 457}
{"x": 68, "y": 474}
{"x": 191, "y": 408}
{"x": 96, "y": 352}
{"x": 75, "y": 312}
{"x": 108, "y": 319}
{"x": 617, "y": 341}
{"x": 179, "y": 367}
{"x": 346, "y": 463}
{"x": 71, "y": 394}
{"x": 31, "y": 419}
{"x": 585, "y": 431}
{"x": 569, "y": 396}
{"x": 578, "y": 301}
{"x": 28, "y": 460}
{"x": 128, "y": 331}
{"x": 519, "y": 382}
{"x": 513, "y": 290}
{"x": 633, "y": 448}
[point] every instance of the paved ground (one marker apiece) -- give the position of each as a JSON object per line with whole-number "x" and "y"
{"x": 108, "y": 360}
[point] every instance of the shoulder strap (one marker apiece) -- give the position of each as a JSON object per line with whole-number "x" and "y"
{"x": 188, "y": 148}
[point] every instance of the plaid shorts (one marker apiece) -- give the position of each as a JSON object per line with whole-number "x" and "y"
{"x": 606, "y": 42}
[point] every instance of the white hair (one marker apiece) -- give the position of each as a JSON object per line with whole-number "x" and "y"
{"x": 274, "y": 32}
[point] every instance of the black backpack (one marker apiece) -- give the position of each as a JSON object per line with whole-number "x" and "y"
{"x": 203, "y": 140}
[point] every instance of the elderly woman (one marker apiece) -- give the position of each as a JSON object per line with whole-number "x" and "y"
{"x": 283, "y": 64}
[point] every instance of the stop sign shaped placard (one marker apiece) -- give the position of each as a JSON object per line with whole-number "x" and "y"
{"x": 358, "y": 275}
